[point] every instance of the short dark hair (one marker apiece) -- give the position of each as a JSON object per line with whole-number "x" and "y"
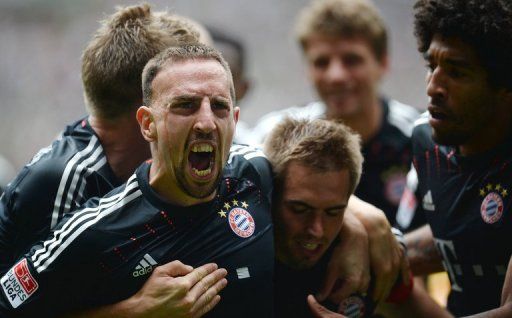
{"x": 176, "y": 54}
{"x": 485, "y": 25}
{"x": 221, "y": 37}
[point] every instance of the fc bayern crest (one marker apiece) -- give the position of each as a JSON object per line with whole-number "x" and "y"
{"x": 352, "y": 307}
{"x": 491, "y": 208}
{"x": 241, "y": 222}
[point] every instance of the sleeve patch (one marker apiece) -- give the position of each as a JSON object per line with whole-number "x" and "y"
{"x": 18, "y": 283}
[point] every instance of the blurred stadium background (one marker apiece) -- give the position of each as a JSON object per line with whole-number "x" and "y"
{"x": 41, "y": 42}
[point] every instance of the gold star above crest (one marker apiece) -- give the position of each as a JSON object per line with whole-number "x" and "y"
{"x": 489, "y": 187}
{"x": 245, "y": 205}
{"x": 235, "y": 202}
{"x": 504, "y": 192}
{"x": 482, "y": 192}
{"x": 226, "y": 205}
{"x": 222, "y": 213}
{"x": 497, "y": 187}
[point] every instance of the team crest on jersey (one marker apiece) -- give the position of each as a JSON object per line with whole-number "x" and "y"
{"x": 492, "y": 206}
{"x": 352, "y": 307}
{"x": 394, "y": 183}
{"x": 241, "y": 222}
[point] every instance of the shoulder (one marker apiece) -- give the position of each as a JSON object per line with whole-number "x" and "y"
{"x": 422, "y": 133}
{"x": 270, "y": 120}
{"x": 402, "y": 116}
{"x": 248, "y": 162}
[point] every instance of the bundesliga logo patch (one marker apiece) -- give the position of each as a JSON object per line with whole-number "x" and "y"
{"x": 18, "y": 284}
{"x": 241, "y": 222}
{"x": 491, "y": 208}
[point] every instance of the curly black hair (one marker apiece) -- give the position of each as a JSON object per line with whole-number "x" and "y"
{"x": 485, "y": 25}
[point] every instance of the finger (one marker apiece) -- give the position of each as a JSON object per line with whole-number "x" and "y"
{"x": 320, "y": 311}
{"x": 206, "y": 298}
{"x": 208, "y": 307}
{"x": 346, "y": 289}
{"x": 199, "y": 273}
{"x": 173, "y": 269}
{"x": 207, "y": 282}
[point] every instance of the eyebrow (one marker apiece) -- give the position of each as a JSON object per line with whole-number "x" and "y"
{"x": 458, "y": 62}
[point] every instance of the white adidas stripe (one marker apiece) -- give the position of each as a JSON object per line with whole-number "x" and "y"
{"x": 66, "y": 176}
{"x": 60, "y": 238}
{"x": 48, "y": 258}
{"x": 77, "y": 179}
{"x": 67, "y": 227}
{"x": 247, "y": 152}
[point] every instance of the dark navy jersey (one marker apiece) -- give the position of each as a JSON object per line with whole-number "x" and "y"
{"x": 387, "y": 158}
{"x": 387, "y": 155}
{"x": 59, "y": 179}
{"x": 105, "y": 252}
{"x": 292, "y": 286}
{"x": 467, "y": 202}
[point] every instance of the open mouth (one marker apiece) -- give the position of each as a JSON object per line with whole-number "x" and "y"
{"x": 201, "y": 159}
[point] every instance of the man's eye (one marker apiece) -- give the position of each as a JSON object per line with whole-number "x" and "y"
{"x": 321, "y": 62}
{"x": 185, "y": 105}
{"x": 220, "y": 106}
{"x": 335, "y": 212}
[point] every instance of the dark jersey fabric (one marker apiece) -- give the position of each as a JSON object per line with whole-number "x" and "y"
{"x": 387, "y": 158}
{"x": 292, "y": 286}
{"x": 59, "y": 179}
{"x": 467, "y": 202}
{"x": 106, "y": 251}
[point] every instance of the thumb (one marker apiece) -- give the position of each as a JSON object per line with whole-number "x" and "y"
{"x": 174, "y": 269}
{"x": 320, "y": 311}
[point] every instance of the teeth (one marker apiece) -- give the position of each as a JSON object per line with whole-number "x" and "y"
{"x": 202, "y": 148}
{"x": 310, "y": 246}
{"x": 202, "y": 173}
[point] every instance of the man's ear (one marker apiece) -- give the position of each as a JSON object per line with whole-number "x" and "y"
{"x": 236, "y": 113}
{"x": 146, "y": 123}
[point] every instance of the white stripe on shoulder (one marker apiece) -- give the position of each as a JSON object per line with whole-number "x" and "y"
{"x": 248, "y": 152}
{"x": 423, "y": 119}
{"x": 402, "y": 116}
{"x": 80, "y": 222}
{"x": 80, "y": 161}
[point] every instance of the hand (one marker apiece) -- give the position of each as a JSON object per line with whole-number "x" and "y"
{"x": 320, "y": 311}
{"x": 178, "y": 290}
{"x": 386, "y": 254}
{"x": 348, "y": 271}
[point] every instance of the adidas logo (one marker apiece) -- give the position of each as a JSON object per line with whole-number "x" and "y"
{"x": 428, "y": 203}
{"x": 145, "y": 266}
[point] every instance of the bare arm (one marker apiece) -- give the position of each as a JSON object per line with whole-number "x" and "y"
{"x": 173, "y": 290}
{"x": 422, "y": 253}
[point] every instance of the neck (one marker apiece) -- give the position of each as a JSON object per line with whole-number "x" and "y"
{"x": 165, "y": 183}
{"x": 122, "y": 142}
{"x": 488, "y": 138}
{"x": 367, "y": 121}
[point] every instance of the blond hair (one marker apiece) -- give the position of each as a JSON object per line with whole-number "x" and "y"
{"x": 113, "y": 60}
{"x": 321, "y": 144}
{"x": 343, "y": 18}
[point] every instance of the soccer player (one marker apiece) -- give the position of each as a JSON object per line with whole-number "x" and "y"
{"x": 195, "y": 201}
{"x": 345, "y": 48}
{"x": 462, "y": 153}
{"x": 99, "y": 152}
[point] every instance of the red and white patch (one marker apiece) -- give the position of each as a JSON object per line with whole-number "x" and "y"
{"x": 241, "y": 222}
{"x": 352, "y": 307}
{"x": 18, "y": 283}
{"x": 491, "y": 209}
